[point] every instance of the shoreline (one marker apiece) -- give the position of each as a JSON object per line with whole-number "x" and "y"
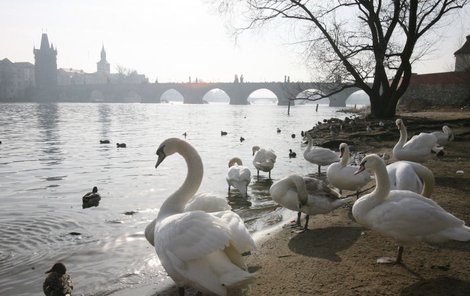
{"x": 337, "y": 256}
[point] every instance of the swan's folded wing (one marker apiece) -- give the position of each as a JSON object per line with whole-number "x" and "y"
{"x": 414, "y": 216}
{"x": 421, "y": 141}
{"x": 240, "y": 236}
{"x": 192, "y": 235}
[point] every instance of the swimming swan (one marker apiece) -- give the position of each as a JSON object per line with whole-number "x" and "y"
{"x": 409, "y": 175}
{"x": 341, "y": 175}
{"x": 306, "y": 195}
{"x": 319, "y": 155}
{"x": 419, "y": 148}
{"x": 263, "y": 160}
{"x": 404, "y": 215}
{"x": 196, "y": 248}
{"x": 444, "y": 137}
{"x": 238, "y": 176}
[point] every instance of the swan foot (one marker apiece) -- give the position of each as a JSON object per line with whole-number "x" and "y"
{"x": 387, "y": 260}
{"x": 292, "y": 224}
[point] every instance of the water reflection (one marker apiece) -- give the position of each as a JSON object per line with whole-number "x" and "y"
{"x": 48, "y": 120}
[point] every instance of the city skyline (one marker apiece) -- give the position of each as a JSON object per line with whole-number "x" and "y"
{"x": 171, "y": 44}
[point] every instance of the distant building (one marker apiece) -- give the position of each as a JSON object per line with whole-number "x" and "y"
{"x": 462, "y": 57}
{"x": 103, "y": 65}
{"x": 45, "y": 64}
{"x": 15, "y": 78}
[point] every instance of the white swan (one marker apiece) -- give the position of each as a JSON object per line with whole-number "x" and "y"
{"x": 263, "y": 160}
{"x": 238, "y": 176}
{"x": 404, "y": 215}
{"x": 409, "y": 175}
{"x": 419, "y": 148}
{"x": 444, "y": 137}
{"x": 196, "y": 248}
{"x": 305, "y": 195}
{"x": 319, "y": 155}
{"x": 341, "y": 175}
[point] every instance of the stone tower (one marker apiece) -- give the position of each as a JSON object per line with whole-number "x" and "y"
{"x": 45, "y": 64}
{"x": 462, "y": 57}
{"x": 103, "y": 65}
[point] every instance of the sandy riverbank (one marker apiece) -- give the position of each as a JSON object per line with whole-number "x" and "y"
{"x": 337, "y": 256}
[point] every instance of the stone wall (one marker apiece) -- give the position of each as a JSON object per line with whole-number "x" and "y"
{"x": 438, "y": 89}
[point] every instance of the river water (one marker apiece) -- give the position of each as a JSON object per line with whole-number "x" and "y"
{"x": 51, "y": 156}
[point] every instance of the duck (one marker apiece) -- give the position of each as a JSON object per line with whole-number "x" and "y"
{"x": 444, "y": 137}
{"x": 242, "y": 139}
{"x": 91, "y": 199}
{"x": 223, "y": 133}
{"x": 197, "y": 249}
{"x": 341, "y": 175}
{"x": 278, "y": 130}
{"x": 306, "y": 195}
{"x": 409, "y": 175}
{"x": 121, "y": 145}
{"x": 263, "y": 160}
{"x": 104, "y": 141}
{"x": 58, "y": 282}
{"x": 418, "y": 149}
{"x": 292, "y": 154}
{"x": 238, "y": 176}
{"x": 319, "y": 155}
{"x": 404, "y": 215}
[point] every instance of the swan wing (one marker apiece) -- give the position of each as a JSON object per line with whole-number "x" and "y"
{"x": 422, "y": 141}
{"x": 241, "y": 237}
{"x": 191, "y": 235}
{"x": 407, "y": 216}
{"x": 207, "y": 202}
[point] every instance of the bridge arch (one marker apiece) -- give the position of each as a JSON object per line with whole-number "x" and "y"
{"x": 263, "y": 96}
{"x": 171, "y": 95}
{"x": 358, "y": 98}
{"x": 216, "y": 95}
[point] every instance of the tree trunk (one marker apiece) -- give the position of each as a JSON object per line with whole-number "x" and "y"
{"x": 382, "y": 107}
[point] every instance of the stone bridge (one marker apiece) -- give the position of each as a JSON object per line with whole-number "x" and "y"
{"x": 193, "y": 93}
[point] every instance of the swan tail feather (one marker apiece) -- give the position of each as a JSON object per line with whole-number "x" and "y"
{"x": 237, "y": 278}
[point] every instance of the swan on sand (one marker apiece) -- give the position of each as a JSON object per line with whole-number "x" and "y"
{"x": 238, "y": 176}
{"x": 196, "y": 248}
{"x": 403, "y": 215}
{"x": 419, "y": 148}
{"x": 306, "y": 195}
{"x": 409, "y": 175}
{"x": 341, "y": 175}
{"x": 319, "y": 155}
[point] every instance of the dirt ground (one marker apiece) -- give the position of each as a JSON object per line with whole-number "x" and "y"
{"x": 337, "y": 256}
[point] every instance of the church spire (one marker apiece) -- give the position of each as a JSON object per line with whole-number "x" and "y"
{"x": 103, "y": 54}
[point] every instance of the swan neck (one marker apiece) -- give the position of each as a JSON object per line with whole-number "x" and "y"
{"x": 176, "y": 202}
{"x": 403, "y": 135}
{"x": 299, "y": 183}
{"x": 345, "y": 158}
{"x": 382, "y": 183}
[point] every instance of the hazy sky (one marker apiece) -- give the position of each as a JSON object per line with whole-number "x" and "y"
{"x": 171, "y": 40}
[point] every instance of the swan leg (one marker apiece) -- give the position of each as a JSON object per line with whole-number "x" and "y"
{"x": 389, "y": 260}
{"x": 319, "y": 170}
{"x": 228, "y": 189}
{"x": 306, "y": 222}
{"x": 269, "y": 175}
{"x": 181, "y": 291}
{"x": 294, "y": 224}
{"x": 258, "y": 175}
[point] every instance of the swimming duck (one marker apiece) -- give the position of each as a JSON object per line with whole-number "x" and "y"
{"x": 58, "y": 282}
{"x": 91, "y": 199}
{"x": 292, "y": 154}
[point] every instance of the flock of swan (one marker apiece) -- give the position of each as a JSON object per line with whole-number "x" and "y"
{"x": 201, "y": 242}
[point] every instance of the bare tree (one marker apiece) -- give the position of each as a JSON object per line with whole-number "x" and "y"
{"x": 360, "y": 43}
